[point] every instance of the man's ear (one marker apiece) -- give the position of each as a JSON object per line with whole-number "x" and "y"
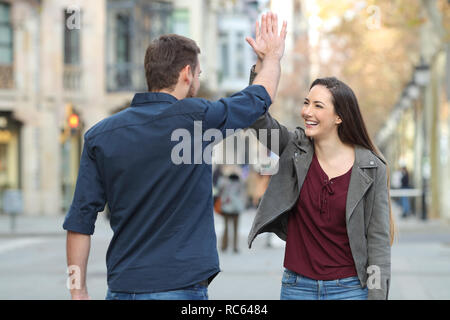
{"x": 186, "y": 74}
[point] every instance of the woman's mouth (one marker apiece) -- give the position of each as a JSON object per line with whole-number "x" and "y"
{"x": 310, "y": 124}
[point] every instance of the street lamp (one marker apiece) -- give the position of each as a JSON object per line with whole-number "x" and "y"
{"x": 422, "y": 73}
{"x": 395, "y": 116}
{"x": 412, "y": 90}
{"x": 405, "y": 101}
{"x": 422, "y": 78}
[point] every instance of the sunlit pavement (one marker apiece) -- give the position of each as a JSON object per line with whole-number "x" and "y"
{"x": 33, "y": 261}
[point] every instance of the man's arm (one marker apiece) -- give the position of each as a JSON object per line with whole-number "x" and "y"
{"x": 267, "y": 72}
{"x": 88, "y": 200}
{"x": 267, "y": 122}
{"x": 78, "y": 247}
{"x": 245, "y": 107}
{"x": 269, "y": 76}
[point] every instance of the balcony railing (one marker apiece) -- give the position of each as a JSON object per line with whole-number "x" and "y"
{"x": 131, "y": 25}
{"x": 6, "y": 76}
{"x": 126, "y": 77}
{"x": 72, "y": 78}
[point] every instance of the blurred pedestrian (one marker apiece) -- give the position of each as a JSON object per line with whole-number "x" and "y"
{"x": 232, "y": 194}
{"x": 259, "y": 187}
{"x": 329, "y": 199}
{"x": 396, "y": 183}
{"x": 164, "y": 244}
{"x": 396, "y": 180}
{"x": 217, "y": 174}
{"x": 406, "y": 208}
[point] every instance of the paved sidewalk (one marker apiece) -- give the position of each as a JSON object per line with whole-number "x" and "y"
{"x": 52, "y": 224}
{"x": 30, "y": 226}
{"x": 35, "y": 253}
{"x": 420, "y": 263}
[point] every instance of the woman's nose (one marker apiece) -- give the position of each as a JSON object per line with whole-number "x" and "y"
{"x": 306, "y": 110}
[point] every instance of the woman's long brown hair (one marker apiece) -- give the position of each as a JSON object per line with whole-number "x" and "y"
{"x": 353, "y": 130}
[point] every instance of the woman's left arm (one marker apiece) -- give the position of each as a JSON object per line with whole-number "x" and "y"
{"x": 378, "y": 241}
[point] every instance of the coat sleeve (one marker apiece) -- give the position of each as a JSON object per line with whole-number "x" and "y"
{"x": 273, "y": 127}
{"x": 378, "y": 241}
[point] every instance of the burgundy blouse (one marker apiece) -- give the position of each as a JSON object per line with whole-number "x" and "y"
{"x": 317, "y": 244}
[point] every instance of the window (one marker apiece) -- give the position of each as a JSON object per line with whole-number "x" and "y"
{"x": 120, "y": 41}
{"x": 6, "y": 41}
{"x": 181, "y": 22}
{"x": 240, "y": 56}
{"x": 123, "y": 34}
{"x": 224, "y": 55}
{"x": 122, "y": 49}
{"x": 72, "y": 51}
{"x": 131, "y": 25}
{"x": 71, "y": 40}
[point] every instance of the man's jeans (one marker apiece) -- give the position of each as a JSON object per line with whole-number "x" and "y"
{"x": 298, "y": 287}
{"x": 195, "y": 292}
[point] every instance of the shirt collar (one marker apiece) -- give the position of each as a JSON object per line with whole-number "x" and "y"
{"x": 152, "y": 97}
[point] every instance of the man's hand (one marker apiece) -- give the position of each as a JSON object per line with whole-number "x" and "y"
{"x": 269, "y": 47}
{"x": 80, "y": 295}
{"x": 268, "y": 43}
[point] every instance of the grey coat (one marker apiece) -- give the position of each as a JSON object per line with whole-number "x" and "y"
{"x": 367, "y": 207}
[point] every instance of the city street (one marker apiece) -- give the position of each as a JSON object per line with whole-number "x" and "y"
{"x": 126, "y": 102}
{"x": 33, "y": 262}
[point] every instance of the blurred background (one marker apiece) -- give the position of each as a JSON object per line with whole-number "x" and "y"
{"x": 67, "y": 64}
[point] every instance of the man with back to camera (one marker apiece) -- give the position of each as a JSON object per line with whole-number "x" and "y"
{"x": 164, "y": 242}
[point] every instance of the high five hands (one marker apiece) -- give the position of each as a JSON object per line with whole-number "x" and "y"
{"x": 269, "y": 47}
{"x": 268, "y": 43}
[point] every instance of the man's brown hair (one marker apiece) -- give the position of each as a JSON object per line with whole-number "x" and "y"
{"x": 166, "y": 57}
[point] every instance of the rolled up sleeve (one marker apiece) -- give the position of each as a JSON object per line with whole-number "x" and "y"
{"x": 238, "y": 111}
{"x": 89, "y": 197}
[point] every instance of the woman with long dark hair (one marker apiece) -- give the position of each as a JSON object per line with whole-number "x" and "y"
{"x": 329, "y": 200}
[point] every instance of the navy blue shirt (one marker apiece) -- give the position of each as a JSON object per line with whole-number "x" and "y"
{"x": 161, "y": 212}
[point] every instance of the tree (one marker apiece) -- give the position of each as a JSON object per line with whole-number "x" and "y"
{"x": 375, "y": 45}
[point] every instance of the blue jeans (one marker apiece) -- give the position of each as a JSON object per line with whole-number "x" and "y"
{"x": 405, "y": 206}
{"x": 195, "y": 292}
{"x": 297, "y": 287}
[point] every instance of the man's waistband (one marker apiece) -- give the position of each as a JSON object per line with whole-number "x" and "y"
{"x": 204, "y": 283}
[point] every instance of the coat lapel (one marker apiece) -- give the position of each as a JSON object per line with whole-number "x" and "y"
{"x": 302, "y": 159}
{"x": 360, "y": 182}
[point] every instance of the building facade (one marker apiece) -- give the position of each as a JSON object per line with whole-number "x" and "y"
{"x": 67, "y": 64}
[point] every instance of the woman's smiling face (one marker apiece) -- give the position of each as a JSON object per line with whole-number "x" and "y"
{"x": 318, "y": 112}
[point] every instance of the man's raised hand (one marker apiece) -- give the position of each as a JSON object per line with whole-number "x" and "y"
{"x": 268, "y": 43}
